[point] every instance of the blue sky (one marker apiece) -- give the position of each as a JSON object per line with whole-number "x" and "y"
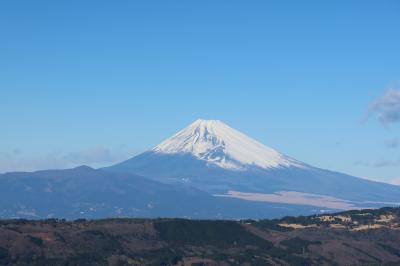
{"x": 94, "y": 82}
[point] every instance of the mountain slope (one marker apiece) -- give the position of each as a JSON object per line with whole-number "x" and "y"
{"x": 84, "y": 192}
{"x": 213, "y": 157}
{"x": 208, "y": 170}
{"x": 217, "y": 143}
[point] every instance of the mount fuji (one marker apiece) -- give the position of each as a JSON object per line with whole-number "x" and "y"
{"x": 213, "y": 157}
{"x": 208, "y": 170}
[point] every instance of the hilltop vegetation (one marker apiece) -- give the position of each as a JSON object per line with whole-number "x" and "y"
{"x": 366, "y": 237}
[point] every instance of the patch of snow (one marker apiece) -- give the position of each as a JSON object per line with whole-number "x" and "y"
{"x": 219, "y": 144}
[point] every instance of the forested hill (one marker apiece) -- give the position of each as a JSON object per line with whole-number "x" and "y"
{"x": 365, "y": 237}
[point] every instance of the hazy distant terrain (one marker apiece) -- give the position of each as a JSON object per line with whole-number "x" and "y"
{"x": 84, "y": 192}
{"x": 367, "y": 237}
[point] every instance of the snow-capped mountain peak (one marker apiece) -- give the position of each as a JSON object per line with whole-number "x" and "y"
{"x": 219, "y": 144}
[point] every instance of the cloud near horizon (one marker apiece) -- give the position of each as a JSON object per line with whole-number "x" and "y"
{"x": 395, "y": 181}
{"x": 97, "y": 156}
{"x": 380, "y": 163}
{"x": 387, "y": 107}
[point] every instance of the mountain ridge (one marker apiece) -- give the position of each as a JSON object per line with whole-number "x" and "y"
{"x": 186, "y": 179}
{"x": 204, "y": 155}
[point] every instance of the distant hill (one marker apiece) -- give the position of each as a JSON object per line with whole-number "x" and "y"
{"x": 365, "y": 237}
{"x": 84, "y": 192}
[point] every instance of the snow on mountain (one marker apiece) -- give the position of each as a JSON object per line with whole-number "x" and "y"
{"x": 213, "y": 157}
{"x": 216, "y": 143}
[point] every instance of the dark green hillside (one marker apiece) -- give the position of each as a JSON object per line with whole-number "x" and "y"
{"x": 330, "y": 239}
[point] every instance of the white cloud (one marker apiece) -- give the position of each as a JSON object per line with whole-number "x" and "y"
{"x": 387, "y": 107}
{"x": 380, "y": 163}
{"x": 392, "y": 143}
{"x": 98, "y": 156}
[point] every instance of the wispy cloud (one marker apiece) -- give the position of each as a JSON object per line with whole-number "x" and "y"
{"x": 380, "y": 163}
{"x": 362, "y": 163}
{"x": 98, "y": 156}
{"x": 387, "y": 163}
{"x": 387, "y": 107}
{"x": 392, "y": 143}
